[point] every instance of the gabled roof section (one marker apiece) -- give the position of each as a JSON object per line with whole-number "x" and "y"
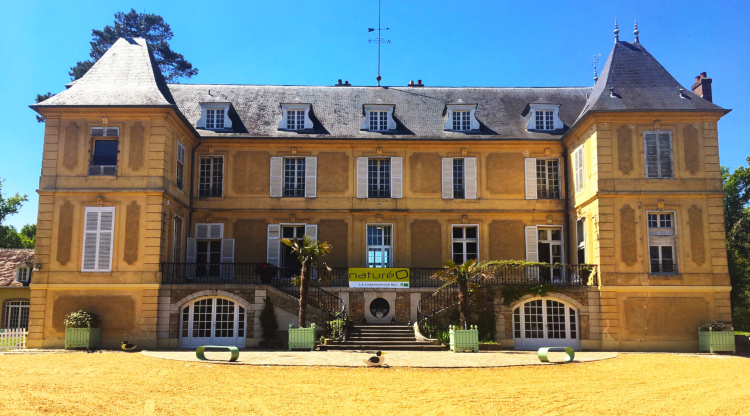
{"x": 10, "y": 260}
{"x": 127, "y": 75}
{"x": 633, "y": 80}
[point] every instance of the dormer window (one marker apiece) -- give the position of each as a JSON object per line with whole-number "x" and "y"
{"x": 461, "y": 118}
{"x": 215, "y": 116}
{"x": 379, "y": 118}
{"x": 295, "y": 117}
{"x": 23, "y": 274}
{"x": 544, "y": 117}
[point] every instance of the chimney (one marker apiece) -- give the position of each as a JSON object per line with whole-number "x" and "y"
{"x": 702, "y": 87}
{"x": 344, "y": 84}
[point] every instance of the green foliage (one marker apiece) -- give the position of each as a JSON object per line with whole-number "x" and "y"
{"x": 713, "y": 326}
{"x": 269, "y": 324}
{"x": 443, "y": 336}
{"x": 309, "y": 253}
{"x": 10, "y": 205}
{"x": 512, "y": 293}
{"x": 336, "y": 328}
{"x": 9, "y": 236}
{"x": 82, "y": 319}
{"x": 460, "y": 274}
{"x": 151, "y": 27}
{"x": 737, "y": 224}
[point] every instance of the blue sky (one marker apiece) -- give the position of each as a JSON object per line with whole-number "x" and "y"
{"x": 444, "y": 43}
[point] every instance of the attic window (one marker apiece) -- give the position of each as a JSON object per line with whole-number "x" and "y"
{"x": 23, "y": 274}
{"x": 544, "y": 117}
{"x": 544, "y": 120}
{"x": 215, "y": 116}
{"x": 295, "y": 117}
{"x": 461, "y": 118}
{"x": 379, "y": 118}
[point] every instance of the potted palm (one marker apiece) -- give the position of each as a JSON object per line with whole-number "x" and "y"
{"x": 82, "y": 330}
{"x": 309, "y": 253}
{"x": 462, "y": 338}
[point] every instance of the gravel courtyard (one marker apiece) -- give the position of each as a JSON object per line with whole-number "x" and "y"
{"x": 133, "y": 384}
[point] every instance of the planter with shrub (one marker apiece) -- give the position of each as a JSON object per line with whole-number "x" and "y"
{"x": 464, "y": 339}
{"x": 302, "y": 338}
{"x": 82, "y": 330}
{"x": 716, "y": 337}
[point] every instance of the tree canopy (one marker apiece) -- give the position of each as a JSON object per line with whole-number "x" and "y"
{"x": 737, "y": 223}
{"x": 9, "y": 236}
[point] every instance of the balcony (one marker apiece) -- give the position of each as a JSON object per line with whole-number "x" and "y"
{"x": 263, "y": 273}
{"x": 667, "y": 267}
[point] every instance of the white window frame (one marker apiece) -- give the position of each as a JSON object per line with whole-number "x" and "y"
{"x": 452, "y": 109}
{"x": 180, "y": 162}
{"x": 215, "y": 118}
{"x": 581, "y": 240}
{"x": 464, "y": 240}
{"x": 297, "y": 177}
{"x": 23, "y": 274}
{"x": 557, "y": 124}
{"x": 390, "y": 123}
{"x": 658, "y": 154}
{"x": 546, "y": 179}
{"x": 295, "y": 119}
{"x": 306, "y": 121}
{"x": 100, "y": 210}
{"x": 381, "y": 247}
{"x": 226, "y": 121}
{"x": 578, "y": 168}
{"x": 21, "y": 305}
{"x": 223, "y": 174}
{"x": 662, "y": 237}
{"x": 389, "y": 182}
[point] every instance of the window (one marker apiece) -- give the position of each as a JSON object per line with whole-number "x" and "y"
{"x": 16, "y": 314}
{"x": 98, "y": 235}
{"x": 581, "y": 240}
{"x": 104, "y": 160}
{"x": 550, "y": 249}
{"x": 23, "y": 274}
{"x": 105, "y": 132}
{"x": 180, "y": 167}
{"x": 177, "y": 240}
{"x": 289, "y": 260}
{"x": 461, "y": 120}
{"x": 459, "y": 181}
{"x": 211, "y": 176}
{"x": 662, "y": 240}
{"x": 544, "y": 120}
{"x": 378, "y": 120}
{"x": 215, "y": 118}
{"x": 294, "y": 176}
{"x": 379, "y": 246}
{"x": 548, "y": 178}
{"x": 378, "y": 178}
{"x": 657, "y": 146}
{"x": 295, "y": 119}
{"x": 578, "y": 168}
{"x": 465, "y": 243}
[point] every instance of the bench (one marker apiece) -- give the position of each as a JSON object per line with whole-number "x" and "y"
{"x": 569, "y": 352}
{"x": 200, "y": 352}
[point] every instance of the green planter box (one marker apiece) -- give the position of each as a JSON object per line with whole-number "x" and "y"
{"x": 712, "y": 341}
{"x": 464, "y": 339}
{"x": 302, "y": 338}
{"x": 87, "y": 338}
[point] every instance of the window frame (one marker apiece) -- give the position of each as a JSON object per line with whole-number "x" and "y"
{"x": 200, "y": 172}
{"x": 462, "y": 118}
{"x": 388, "y": 181}
{"x": 27, "y": 274}
{"x": 459, "y": 189}
{"x": 298, "y": 193}
{"x": 646, "y": 170}
{"x": 557, "y": 191}
{"x": 581, "y": 240}
{"x": 380, "y": 121}
{"x": 19, "y": 304}
{"x": 660, "y": 234}
{"x": 100, "y": 210}
{"x": 391, "y": 259}
{"x": 547, "y": 119}
{"x": 180, "y": 167}
{"x": 464, "y": 240}
{"x": 297, "y": 122}
{"x": 101, "y": 140}
{"x": 212, "y": 115}
{"x": 177, "y": 242}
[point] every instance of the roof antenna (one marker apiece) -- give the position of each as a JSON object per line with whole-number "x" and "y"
{"x": 636, "y": 32}
{"x": 379, "y": 40}
{"x": 617, "y": 32}
{"x": 595, "y": 62}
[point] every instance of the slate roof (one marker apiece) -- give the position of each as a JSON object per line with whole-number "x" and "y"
{"x": 640, "y": 84}
{"x": 338, "y": 112}
{"x": 126, "y": 75}
{"x": 10, "y": 259}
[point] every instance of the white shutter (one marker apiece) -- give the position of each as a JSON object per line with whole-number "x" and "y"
{"x": 578, "y": 167}
{"x": 277, "y": 176}
{"x": 311, "y": 230}
{"x": 397, "y": 172}
{"x": 98, "y": 238}
{"x": 216, "y": 231}
{"x": 362, "y": 177}
{"x": 90, "y": 237}
{"x": 665, "y": 155}
{"x": 532, "y": 244}
{"x": 106, "y": 233}
{"x": 227, "y": 256}
{"x": 273, "y": 249}
{"x": 470, "y": 175}
{"x": 529, "y": 165}
{"x": 447, "y": 178}
{"x": 311, "y": 177}
{"x": 651, "y": 151}
{"x": 201, "y": 231}
{"x": 190, "y": 251}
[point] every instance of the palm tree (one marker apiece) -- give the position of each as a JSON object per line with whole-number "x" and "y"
{"x": 309, "y": 252}
{"x": 461, "y": 274}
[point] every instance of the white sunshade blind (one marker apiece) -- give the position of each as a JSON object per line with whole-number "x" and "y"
{"x": 530, "y": 177}
{"x": 98, "y": 239}
{"x": 311, "y": 176}
{"x": 397, "y": 172}
{"x": 532, "y": 244}
{"x": 209, "y": 231}
{"x": 277, "y": 176}
{"x": 311, "y": 230}
{"x": 273, "y": 249}
{"x": 470, "y": 173}
{"x": 447, "y": 178}
{"x": 578, "y": 166}
{"x": 362, "y": 177}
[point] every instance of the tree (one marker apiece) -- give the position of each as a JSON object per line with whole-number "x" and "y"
{"x": 9, "y": 237}
{"x": 737, "y": 224}
{"x": 151, "y": 27}
{"x": 461, "y": 274}
{"x": 309, "y": 252}
{"x": 28, "y": 235}
{"x": 268, "y": 321}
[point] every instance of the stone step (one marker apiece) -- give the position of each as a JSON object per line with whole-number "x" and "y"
{"x": 371, "y": 349}
{"x": 376, "y": 332}
{"x": 386, "y": 326}
{"x": 377, "y": 343}
{"x": 376, "y": 339}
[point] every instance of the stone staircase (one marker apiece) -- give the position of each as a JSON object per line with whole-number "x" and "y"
{"x": 381, "y": 338}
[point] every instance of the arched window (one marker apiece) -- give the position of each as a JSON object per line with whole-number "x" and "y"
{"x": 212, "y": 320}
{"x": 543, "y": 322}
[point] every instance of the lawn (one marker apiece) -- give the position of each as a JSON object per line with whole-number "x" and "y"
{"x": 131, "y": 384}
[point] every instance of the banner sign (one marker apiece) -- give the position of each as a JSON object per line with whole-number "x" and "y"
{"x": 379, "y": 278}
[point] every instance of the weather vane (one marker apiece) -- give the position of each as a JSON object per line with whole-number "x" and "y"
{"x": 595, "y": 62}
{"x": 379, "y": 40}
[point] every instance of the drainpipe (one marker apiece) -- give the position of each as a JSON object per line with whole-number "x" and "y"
{"x": 192, "y": 181}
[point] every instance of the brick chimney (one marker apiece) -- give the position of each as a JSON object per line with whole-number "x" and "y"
{"x": 702, "y": 87}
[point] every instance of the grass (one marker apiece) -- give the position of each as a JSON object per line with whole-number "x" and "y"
{"x": 132, "y": 384}
{"x": 747, "y": 334}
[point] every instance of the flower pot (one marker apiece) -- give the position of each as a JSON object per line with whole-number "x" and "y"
{"x": 712, "y": 341}
{"x": 464, "y": 339}
{"x": 302, "y": 338}
{"x": 86, "y": 338}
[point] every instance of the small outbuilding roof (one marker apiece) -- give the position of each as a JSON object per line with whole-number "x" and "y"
{"x": 10, "y": 260}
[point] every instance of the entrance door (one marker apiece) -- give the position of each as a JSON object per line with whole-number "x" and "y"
{"x": 289, "y": 260}
{"x": 212, "y": 321}
{"x": 545, "y": 323}
{"x": 550, "y": 251}
{"x": 208, "y": 258}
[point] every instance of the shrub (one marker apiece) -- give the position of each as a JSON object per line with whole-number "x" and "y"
{"x": 82, "y": 319}
{"x": 713, "y": 326}
{"x": 268, "y": 322}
